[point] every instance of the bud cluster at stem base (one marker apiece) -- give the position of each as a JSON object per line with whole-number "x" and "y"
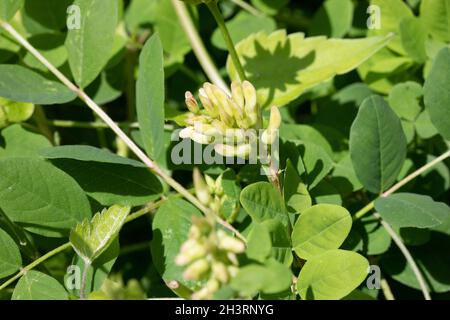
{"x": 209, "y": 254}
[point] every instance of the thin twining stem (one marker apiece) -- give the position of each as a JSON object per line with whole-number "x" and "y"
{"x": 402, "y": 183}
{"x": 114, "y": 127}
{"x": 198, "y": 47}
{"x": 395, "y": 237}
{"x": 398, "y": 241}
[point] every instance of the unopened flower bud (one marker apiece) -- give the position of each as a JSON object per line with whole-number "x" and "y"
{"x": 231, "y": 244}
{"x": 275, "y": 118}
{"x": 186, "y": 133}
{"x": 211, "y": 183}
{"x": 224, "y": 102}
{"x": 191, "y": 250}
{"x": 201, "y": 188}
{"x": 251, "y": 102}
{"x": 241, "y": 151}
{"x": 218, "y": 185}
{"x": 269, "y": 136}
{"x": 233, "y": 271}
{"x": 220, "y": 272}
{"x": 191, "y": 103}
{"x": 212, "y": 285}
{"x": 196, "y": 270}
{"x": 237, "y": 93}
{"x": 234, "y": 136}
{"x": 209, "y": 106}
{"x": 201, "y": 138}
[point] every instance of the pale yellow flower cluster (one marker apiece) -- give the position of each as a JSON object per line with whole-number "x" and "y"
{"x": 209, "y": 254}
{"x": 231, "y": 123}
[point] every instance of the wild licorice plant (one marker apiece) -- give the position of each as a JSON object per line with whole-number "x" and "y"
{"x": 320, "y": 172}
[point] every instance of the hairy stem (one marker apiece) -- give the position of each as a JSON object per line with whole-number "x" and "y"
{"x": 114, "y": 127}
{"x": 197, "y": 45}
{"x": 214, "y": 8}
{"x": 87, "y": 265}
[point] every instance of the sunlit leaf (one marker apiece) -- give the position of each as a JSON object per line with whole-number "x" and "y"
{"x": 283, "y": 66}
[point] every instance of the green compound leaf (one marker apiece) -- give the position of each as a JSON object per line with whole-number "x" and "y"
{"x": 20, "y": 142}
{"x": 150, "y": 96}
{"x": 437, "y": 93}
{"x": 21, "y": 84}
{"x": 332, "y": 275}
{"x": 170, "y": 230}
{"x": 412, "y": 210}
{"x": 90, "y": 239}
{"x": 45, "y": 16}
{"x": 377, "y": 145}
{"x": 392, "y": 12}
{"x": 10, "y": 259}
{"x": 269, "y": 239}
{"x": 123, "y": 181}
{"x": 296, "y": 192}
{"x": 40, "y": 197}
{"x": 51, "y": 46}
{"x": 414, "y": 36}
{"x": 259, "y": 243}
{"x": 270, "y": 278}
{"x": 35, "y": 285}
{"x": 8, "y": 8}
{"x": 90, "y": 46}
{"x": 262, "y": 202}
{"x": 281, "y": 247}
{"x": 270, "y": 7}
{"x": 435, "y": 14}
{"x": 283, "y": 66}
{"x": 320, "y": 228}
{"x": 405, "y": 98}
{"x": 97, "y": 273}
{"x": 334, "y": 19}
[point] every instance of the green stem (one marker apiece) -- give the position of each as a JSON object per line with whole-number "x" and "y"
{"x": 386, "y": 290}
{"x": 198, "y": 47}
{"x": 35, "y": 263}
{"x": 361, "y": 213}
{"x": 26, "y": 246}
{"x": 144, "y": 211}
{"x": 402, "y": 183}
{"x": 96, "y": 124}
{"x": 87, "y": 265}
{"x": 214, "y": 8}
{"x": 409, "y": 258}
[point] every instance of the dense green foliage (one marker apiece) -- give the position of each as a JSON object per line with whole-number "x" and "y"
{"x": 357, "y": 90}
